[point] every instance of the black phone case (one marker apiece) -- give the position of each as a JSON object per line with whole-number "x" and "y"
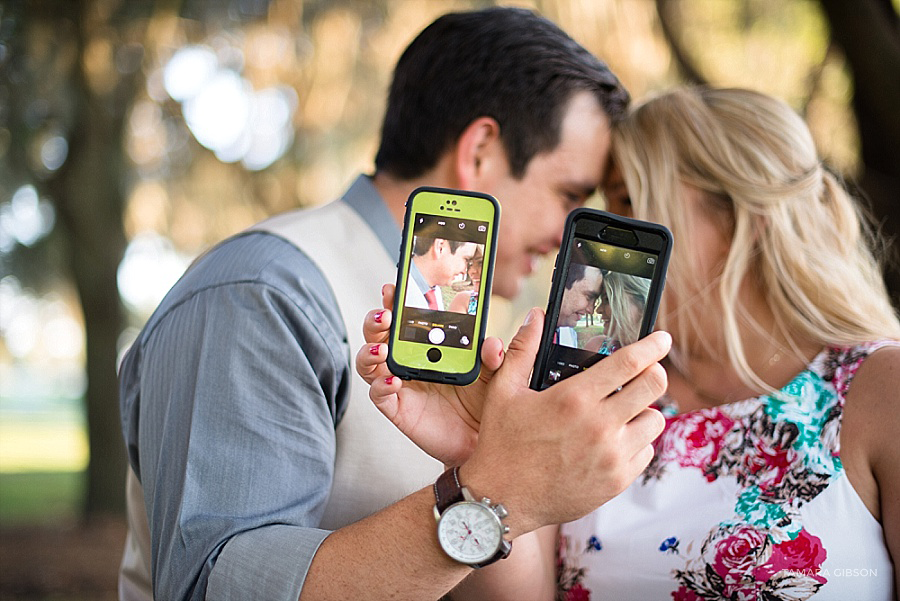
{"x": 427, "y": 375}
{"x": 553, "y": 304}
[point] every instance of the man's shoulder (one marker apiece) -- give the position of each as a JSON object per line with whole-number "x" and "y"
{"x": 252, "y": 255}
{"x": 250, "y": 260}
{"x": 320, "y": 229}
{"x": 303, "y": 217}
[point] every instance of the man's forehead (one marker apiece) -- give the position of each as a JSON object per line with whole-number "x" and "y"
{"x": 594, "y": 273}
{"x": 585, "y": 139}
{"x": 468, "y": 249}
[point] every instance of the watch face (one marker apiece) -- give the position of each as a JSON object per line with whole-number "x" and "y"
{"x": 470, "y": 532}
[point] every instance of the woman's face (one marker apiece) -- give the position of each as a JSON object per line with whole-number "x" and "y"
{"x": 605, "y": 310}
{"x": 617, "y": 199}
{"x": 612, "y": 326}
{"x": 475, "y": 267}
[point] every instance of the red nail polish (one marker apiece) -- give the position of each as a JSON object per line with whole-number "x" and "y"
{"x": 374, "y": 349}
{"x": 378, "y": 316}
{"x": 389, "y": 380}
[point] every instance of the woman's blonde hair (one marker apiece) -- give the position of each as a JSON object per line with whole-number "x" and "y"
{"x": 793, "y": 226}
{"x": 623, "y": 292}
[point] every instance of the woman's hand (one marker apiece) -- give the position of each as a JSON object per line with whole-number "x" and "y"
{"x": 443, "y": 420}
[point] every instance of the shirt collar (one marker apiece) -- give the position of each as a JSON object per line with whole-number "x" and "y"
{"x": 363, "y": 198}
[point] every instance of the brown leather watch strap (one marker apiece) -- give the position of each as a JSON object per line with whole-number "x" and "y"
{"x": 447, "y": 489}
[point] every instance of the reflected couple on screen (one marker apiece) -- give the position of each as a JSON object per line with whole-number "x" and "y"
{"x": 445, "y": 275}
{"x": 601, "y": 310}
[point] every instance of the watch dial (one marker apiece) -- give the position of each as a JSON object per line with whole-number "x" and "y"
{"x": 470, "y": 532}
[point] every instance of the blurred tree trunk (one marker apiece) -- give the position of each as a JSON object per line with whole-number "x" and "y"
{"x": 868, "y": 31}
{"x": 88, "y": 194}
{"x": 668, "y": 22}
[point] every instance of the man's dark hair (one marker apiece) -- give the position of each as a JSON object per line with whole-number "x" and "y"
{"x": 578, "y": 261}
{"x": 422, "y": 244}
{"x": 506, "y": 63}
{"x": 575, "y": 273}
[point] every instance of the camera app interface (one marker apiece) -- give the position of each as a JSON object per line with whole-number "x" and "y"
{"x": 603, "y": 305}
{"x": 443, "y": 288}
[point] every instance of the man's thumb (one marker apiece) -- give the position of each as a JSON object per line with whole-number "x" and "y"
{"x": 524, "y": 346}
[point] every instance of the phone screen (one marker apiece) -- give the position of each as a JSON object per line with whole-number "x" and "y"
{"x": 606, "y": 296}
{"x": 444, "y": 281}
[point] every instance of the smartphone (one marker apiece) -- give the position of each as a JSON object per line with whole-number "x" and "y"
{"x": 443, "y": 285}
{"x": 607, "y": 284}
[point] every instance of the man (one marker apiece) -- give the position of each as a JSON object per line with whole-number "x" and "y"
{"x": 436, "y": 262}
{"x": 265, "y": 470}
{"x": 582, "y": 289}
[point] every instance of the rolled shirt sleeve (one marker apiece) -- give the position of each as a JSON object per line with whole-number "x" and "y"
{"x": 230, "y": 400}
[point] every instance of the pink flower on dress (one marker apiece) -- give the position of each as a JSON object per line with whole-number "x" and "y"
{"x": 737, "y": 555}
{"x": 738, "y": 562}
{"x": 769, "y": 464}
{"x": 578, "y": 593}
{"x": 804, "y": 554}
{"x": 695, "y": 440}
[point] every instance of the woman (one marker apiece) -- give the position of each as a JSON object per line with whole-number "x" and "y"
{"x": 621, "y": 305}
{"x": 466, "y": 300}
{"x": 778, "y": 474}
{"x": 775, "y": 302}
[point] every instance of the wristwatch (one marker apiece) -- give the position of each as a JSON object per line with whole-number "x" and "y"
{"x": 469, "y": 531}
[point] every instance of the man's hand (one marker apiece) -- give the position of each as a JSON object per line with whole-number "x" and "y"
{"x": 553, "y": 456}
{"x": 443, "y": 420}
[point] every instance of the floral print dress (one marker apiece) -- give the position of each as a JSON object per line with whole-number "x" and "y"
{"x": 743, "y": 501}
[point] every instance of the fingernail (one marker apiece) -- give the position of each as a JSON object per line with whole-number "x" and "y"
{"x": 389, "y": 380}
{"x": 378, "y": 316}
{"x": 382, "y": 289}
{"x": 528, "y": 317}
{"x": 374, "y": 349}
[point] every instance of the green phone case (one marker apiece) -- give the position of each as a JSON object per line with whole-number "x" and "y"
{"x": 449, "y": 228}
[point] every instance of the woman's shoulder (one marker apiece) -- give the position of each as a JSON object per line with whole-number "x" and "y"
{"x": 877, "y": 377}
{"x": 870, "y": 425}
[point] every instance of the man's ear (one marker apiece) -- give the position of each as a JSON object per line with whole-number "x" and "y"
{"x": 479, "y": 153}
{"x": 437, "y": 247}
